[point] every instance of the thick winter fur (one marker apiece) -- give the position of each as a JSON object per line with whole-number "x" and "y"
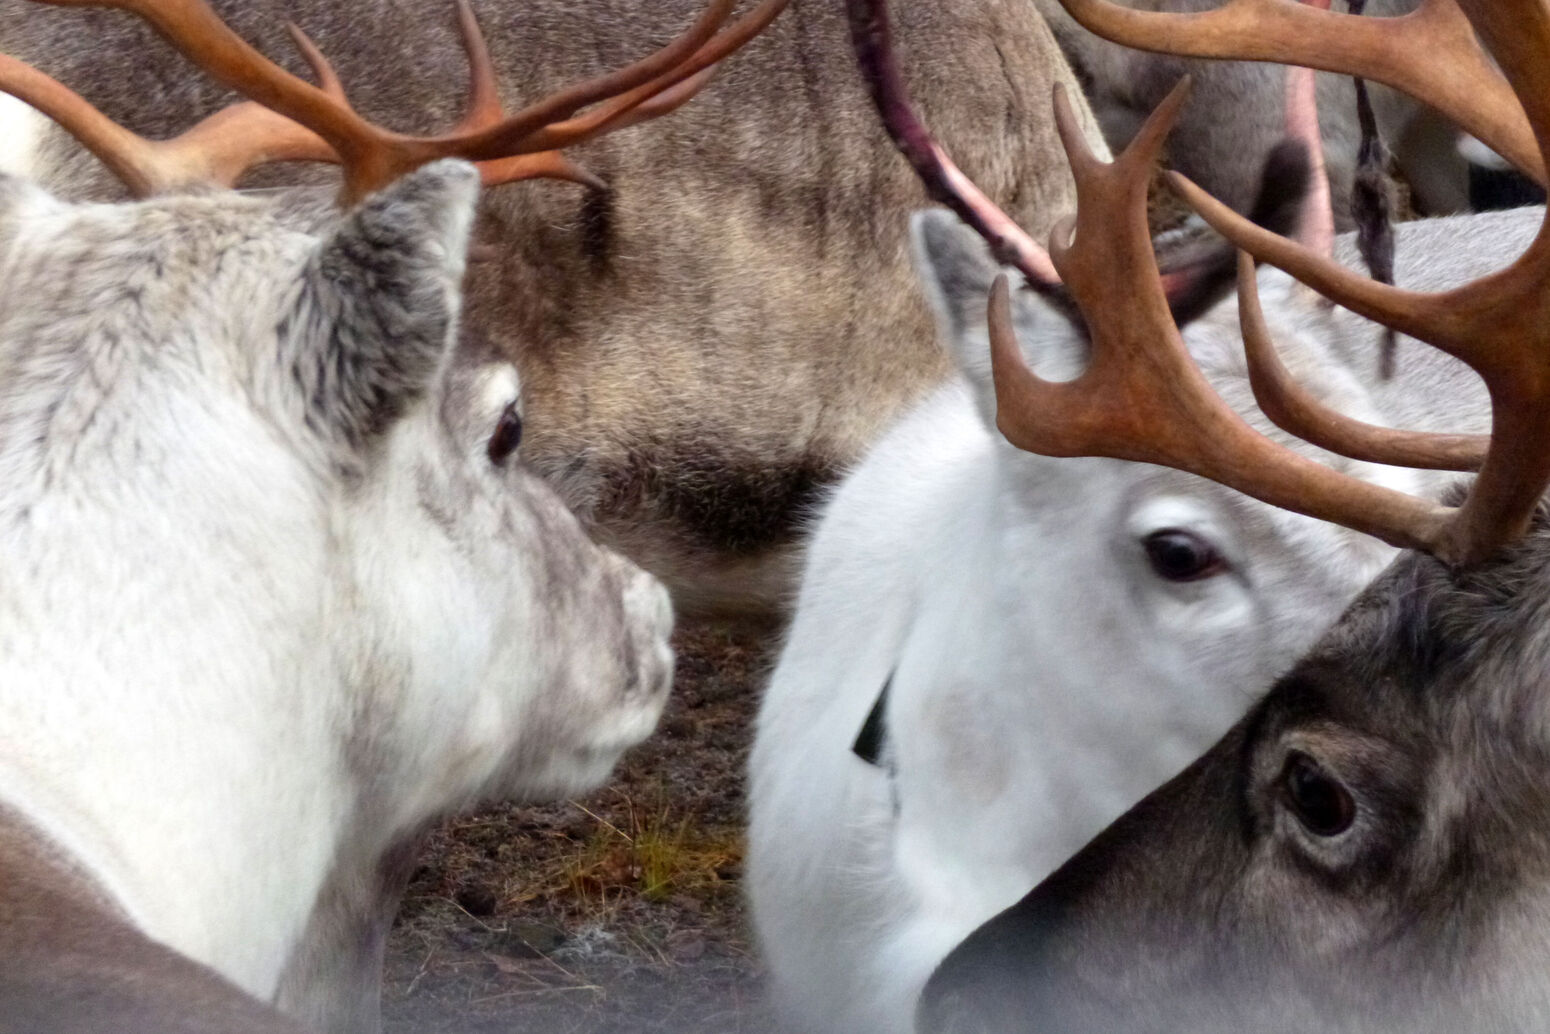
{"x": 1044, "y": 675}
{"x": 1238, "y": 114}
{"x": 1212, "y": 907}
{"x": 267, "y": 606}
{"x": 725, "y": 331}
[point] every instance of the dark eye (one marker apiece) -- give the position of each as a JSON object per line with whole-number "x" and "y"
{"x": 507, "y": 436}
{"x": 1321, "y": 804}
{"x": 1182, "y": 556}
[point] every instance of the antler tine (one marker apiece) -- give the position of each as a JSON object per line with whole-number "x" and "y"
{"x": 1142, "y": 398}
{"x": 1293, "y": 410}
{"x": 1498, "y": 325}
{"x": 945, "y": 183}
{"x": 526, "y": 148}
{"x": 200, "y": 34}
{"x": 1162, "y": 411}
{"x": 484, "y": 95}
{"x": 552, "y": 164}
{"x": 216, "y": 150}
{"x": 327, "y": 128}
{"x": 123, "y": 152}
{"x": 1400, "y": 52}
{"x": 665, "y": 93}
{"x": 1108, "y": 243}
{"x": 513, "y": 132}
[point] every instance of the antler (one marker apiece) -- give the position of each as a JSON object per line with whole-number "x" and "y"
{"x": 1142, "y": 397}
{"x": 1293, "y": 410}
{"x": 217, "y": 150}
{"x": 289, "y": 118}
{"x": 1498, "y": 325}
{"x": 944, "y": 181}
{"x": 1401, "y": 52}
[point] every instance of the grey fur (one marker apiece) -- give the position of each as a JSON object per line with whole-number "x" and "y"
{"x": 733, "y": 322}
{"x": 1236, "y": 115}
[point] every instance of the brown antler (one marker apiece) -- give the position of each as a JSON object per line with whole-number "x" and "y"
{"x": 1402, "y": 52}
{"x": 1293, "y": 410}
{"x": 1142, "y": 398}
{"x": 324, "y": 127}
{"x": 203, "y": 154}
{"x": 1498, "y": 325}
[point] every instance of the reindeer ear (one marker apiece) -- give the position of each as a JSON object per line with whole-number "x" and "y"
{"x": 957, "y": 271}
{"x": 18, "y": 193}
{"x": 378, "y": 311}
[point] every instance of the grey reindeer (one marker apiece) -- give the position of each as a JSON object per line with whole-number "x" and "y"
{"x": 276, "y": 591}
{"x": 724, "y": 330}
{"x": 1366, "y": 850}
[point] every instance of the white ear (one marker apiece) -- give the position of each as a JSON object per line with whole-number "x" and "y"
{"x": 19, "y": 195}
{"x": 957, "y": 271}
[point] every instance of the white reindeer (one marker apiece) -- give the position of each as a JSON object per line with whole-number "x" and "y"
{"x": 1023, "y": 647}
{"x": 277, "y": 590}
{"x": 1365, "y": 851}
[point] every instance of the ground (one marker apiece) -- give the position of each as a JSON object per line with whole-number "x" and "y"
{"x": 618, "y": 912}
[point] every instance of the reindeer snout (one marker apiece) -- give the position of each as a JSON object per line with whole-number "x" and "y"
{"x": 649, "y": 612}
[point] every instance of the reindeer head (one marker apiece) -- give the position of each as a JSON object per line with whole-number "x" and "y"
{"x": 279, "y": 590}
{"x": 1363, "y": 851}
{"x": 1366, "y": 851}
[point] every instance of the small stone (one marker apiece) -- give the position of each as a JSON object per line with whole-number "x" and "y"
{"x": 684, "y": 903}
{"x": 525, "y": 940}
{"x": 686, "y": 945}
{"x": 476, "y": 901}
{"x": 680, "y": 727}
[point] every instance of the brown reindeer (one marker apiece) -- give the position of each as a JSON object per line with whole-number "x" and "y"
{"x": 711, "y": 339}
{"x": 1366, "y": 850}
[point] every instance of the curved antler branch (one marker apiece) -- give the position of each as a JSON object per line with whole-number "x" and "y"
{"x": 1296, "y": 412}
{"x": 1403, "y": 52}
{"x": 1164, "y": 412}
{"x": 945, "y": 183}
{"x": 289, "y": 118}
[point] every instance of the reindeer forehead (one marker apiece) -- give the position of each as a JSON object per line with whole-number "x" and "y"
{"x": 166, "y": 249}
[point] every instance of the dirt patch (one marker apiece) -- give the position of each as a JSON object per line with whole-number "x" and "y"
{"x": 618, "y": 912}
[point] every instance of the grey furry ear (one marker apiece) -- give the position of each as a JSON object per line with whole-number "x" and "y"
{"x": 378, "y": 309}
{"x": 956, "y": 270}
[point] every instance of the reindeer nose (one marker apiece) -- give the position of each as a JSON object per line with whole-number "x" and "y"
{"x": 650, "y": 612}
{"x": 1003, "y": 980}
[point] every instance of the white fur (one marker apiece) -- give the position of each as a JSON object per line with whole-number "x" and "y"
{"x": 1044, "y": 677}
{"x": 232, "y": 675}
{"x": 21, "y": 132}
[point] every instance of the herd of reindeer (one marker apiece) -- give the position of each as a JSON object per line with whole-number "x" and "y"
{"x": 1163, "y": 649}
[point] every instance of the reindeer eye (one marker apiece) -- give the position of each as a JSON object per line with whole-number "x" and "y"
{"x": 1321, "y": 804}
{"x": 507, "y": 436}
{"x": 1182, "y": 556}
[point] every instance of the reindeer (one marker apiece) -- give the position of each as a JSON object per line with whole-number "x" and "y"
{"x": 1019, "y": 645}
{"x": 1236, "y": 116}
{"x": 1364, "y": 851}
{"x": 278, "y": 590}
{"x": 717, "y": 336}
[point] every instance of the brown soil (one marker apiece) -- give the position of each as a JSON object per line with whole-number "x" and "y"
{"x": 617, "y": 912}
